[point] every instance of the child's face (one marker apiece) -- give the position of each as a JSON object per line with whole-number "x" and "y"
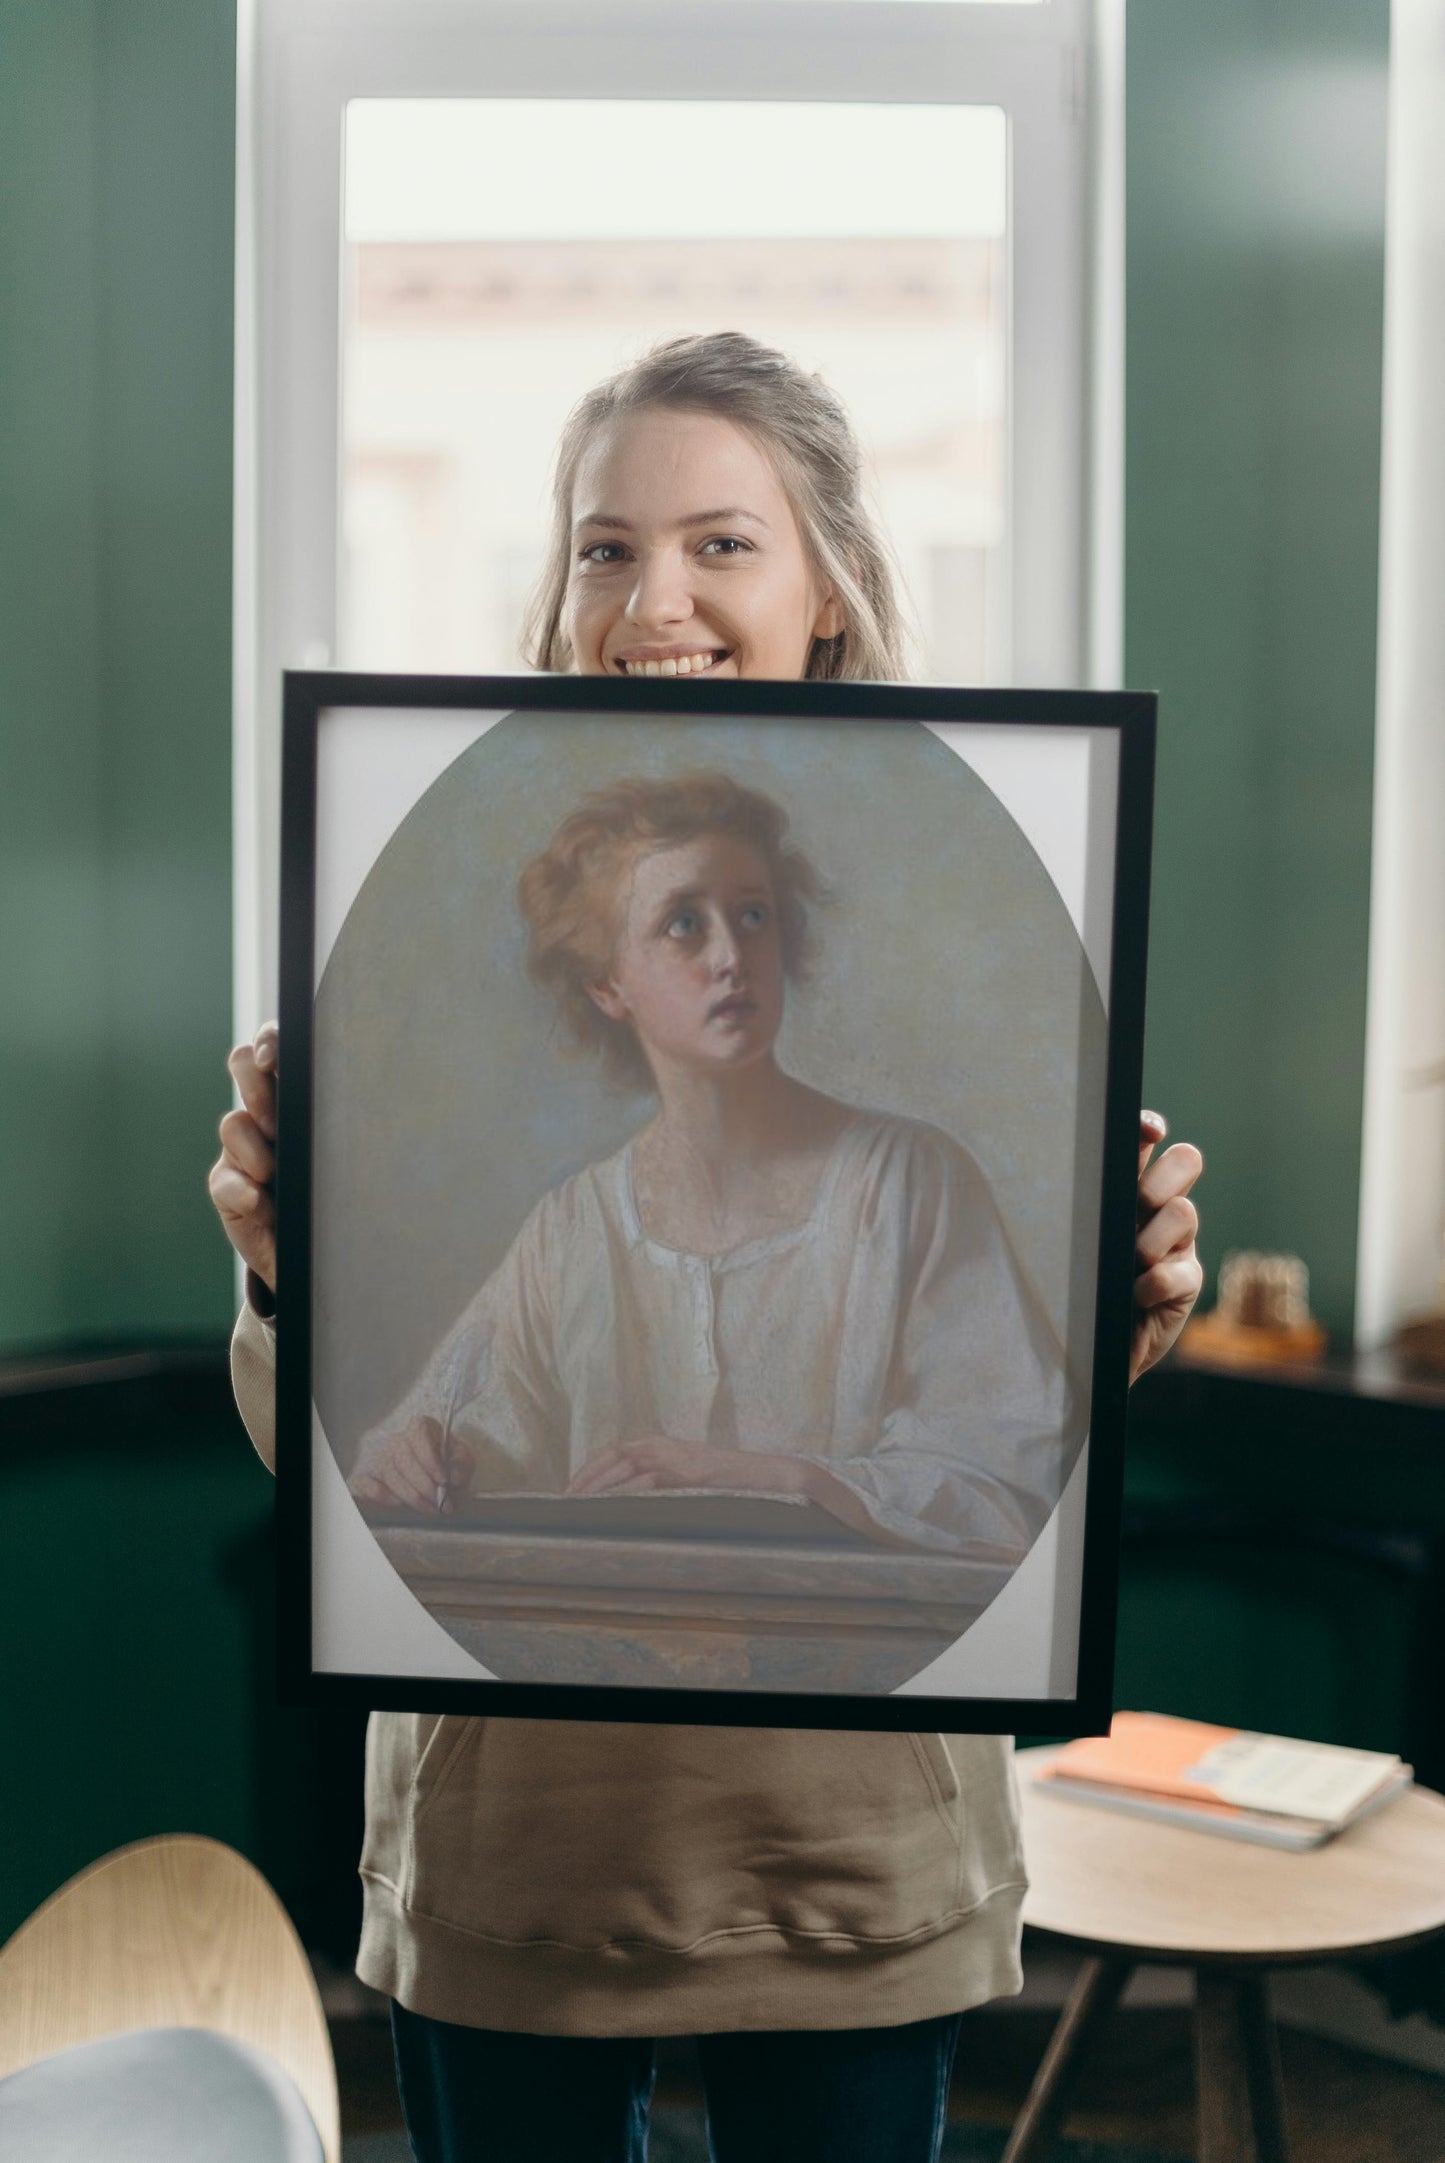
{"x": 686, "y": 556}
{"x": 697, "y": 971}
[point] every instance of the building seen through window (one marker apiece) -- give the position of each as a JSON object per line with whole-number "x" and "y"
{"x": 465, "y": 344}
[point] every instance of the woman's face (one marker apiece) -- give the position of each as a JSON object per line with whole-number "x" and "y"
{"x": 697, "y": 970}
{"x": 686, "y": 556}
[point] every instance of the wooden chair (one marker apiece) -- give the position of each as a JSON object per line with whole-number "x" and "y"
{"x": 172, "y": 1933}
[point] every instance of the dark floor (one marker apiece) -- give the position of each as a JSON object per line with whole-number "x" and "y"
{"x": 1343, "y": 2105}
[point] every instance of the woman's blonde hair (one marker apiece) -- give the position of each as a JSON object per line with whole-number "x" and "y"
{"x": 806, "y": 432}
{"x": 569, "y": 892}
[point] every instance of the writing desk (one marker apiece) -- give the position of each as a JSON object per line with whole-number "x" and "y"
{"x": 1124, "y": 1890}
{"x": 806, "y": 1608}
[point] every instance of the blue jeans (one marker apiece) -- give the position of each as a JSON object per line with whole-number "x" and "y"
{"x": 845, "y": 2095}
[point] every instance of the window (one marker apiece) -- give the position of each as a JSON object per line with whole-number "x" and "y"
{"x": 502, "y": 255}
{"x": 448, "y": 210}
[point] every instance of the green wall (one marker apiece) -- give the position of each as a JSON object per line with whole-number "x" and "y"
{"x": 116, "y": 154}
{"x": 1255, "y": 267}
{"x": 129, "y": 1560}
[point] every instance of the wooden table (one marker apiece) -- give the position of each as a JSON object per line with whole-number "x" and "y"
{"x": 1124, "y": 1890}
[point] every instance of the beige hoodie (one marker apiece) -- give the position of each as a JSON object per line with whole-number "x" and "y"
{"x": 575, "y": 1878}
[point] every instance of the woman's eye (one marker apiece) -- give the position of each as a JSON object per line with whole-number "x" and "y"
{"x": 726, "y": 544}
{"x": 684, "y": 925}
{"x": 754, "y": 916}
{"x": 601, "y": 552}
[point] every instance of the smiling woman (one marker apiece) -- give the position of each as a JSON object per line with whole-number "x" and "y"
{"x": 673, "y": 590}
{"x": 766, "y": 1284}
{"x": 707, "y": 520}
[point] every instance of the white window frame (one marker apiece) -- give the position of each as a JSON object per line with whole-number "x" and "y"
{"x": 1056, "y": 69}
{"x": 1402, "y": 1165}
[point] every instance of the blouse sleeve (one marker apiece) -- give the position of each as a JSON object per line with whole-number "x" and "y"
{"x": 491, "y": 1383}
{"x": 979, "y": 1421}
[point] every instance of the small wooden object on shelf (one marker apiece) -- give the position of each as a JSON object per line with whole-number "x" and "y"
{"x": 1262, "y": 1317}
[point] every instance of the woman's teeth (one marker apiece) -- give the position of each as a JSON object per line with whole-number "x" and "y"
{"x": 686, "y": 664}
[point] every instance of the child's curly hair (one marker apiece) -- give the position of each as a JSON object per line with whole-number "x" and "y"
{"x": 568, "y": 894}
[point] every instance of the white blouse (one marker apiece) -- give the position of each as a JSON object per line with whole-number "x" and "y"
{"x": 891, "y": 1336}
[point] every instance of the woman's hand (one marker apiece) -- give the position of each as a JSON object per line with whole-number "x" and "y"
{"x": 414, "y": 1469}
{"x": 656, "y": 1461}
{"x": 242, "y": 1179}
{"x": 1168, "y": 1275}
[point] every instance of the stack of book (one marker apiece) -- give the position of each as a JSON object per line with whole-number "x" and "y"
{"x": 1268, "y": 1788}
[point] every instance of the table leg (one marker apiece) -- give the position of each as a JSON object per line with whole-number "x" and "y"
{"x": 1261, "y": 2045}
{"x": 1095, "y": 1993}
{"x": 1241, "y": 2116}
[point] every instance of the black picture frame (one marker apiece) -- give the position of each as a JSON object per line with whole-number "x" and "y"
{"x": 1131, "y": 719}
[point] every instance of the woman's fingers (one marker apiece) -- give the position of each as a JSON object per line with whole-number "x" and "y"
{"x": 236, "y": 1195}
{"x": 244, "y": 1145}
{"x": 248, "y": 1217}
{"x": 1176, "y": 1281}
{"x": 1172, "y": 1174}
{"x": 1169, "y": 1276}
{"x": 1153, "y": 1126}
{"x": 1171, "y": 1228}
{"x": 253, "y": 1069}
{"x": 240, "y": 1188}
{"x": 241, "y": 1179}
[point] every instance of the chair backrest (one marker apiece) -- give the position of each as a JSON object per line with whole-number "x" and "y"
{"x": 177, "y": 1932}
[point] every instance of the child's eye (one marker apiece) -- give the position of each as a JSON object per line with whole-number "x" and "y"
{"x": 726, "y": 544}
{"x": 685, "y": 925}
{"x": 754, "y": 916}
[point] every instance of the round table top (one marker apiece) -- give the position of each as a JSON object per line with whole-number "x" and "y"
{"x": 1165, "y": 1892}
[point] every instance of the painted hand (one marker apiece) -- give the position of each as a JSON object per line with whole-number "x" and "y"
{"x": 414, "y": 1469}
{"x": 656, "y": 1461}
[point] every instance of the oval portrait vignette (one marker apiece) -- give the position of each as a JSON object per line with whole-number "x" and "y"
{"x": 706, "y": 1152}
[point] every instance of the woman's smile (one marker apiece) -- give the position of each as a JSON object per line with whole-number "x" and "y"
{"x": 672, "y": 660}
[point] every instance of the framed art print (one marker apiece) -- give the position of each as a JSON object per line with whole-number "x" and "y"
{"x": 707, "y": 1150}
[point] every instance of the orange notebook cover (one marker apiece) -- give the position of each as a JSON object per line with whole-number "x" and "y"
{"x": 1145, "y": 1749}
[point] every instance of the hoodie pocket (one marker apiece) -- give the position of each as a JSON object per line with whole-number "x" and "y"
{"x": 665, "y": 1836}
